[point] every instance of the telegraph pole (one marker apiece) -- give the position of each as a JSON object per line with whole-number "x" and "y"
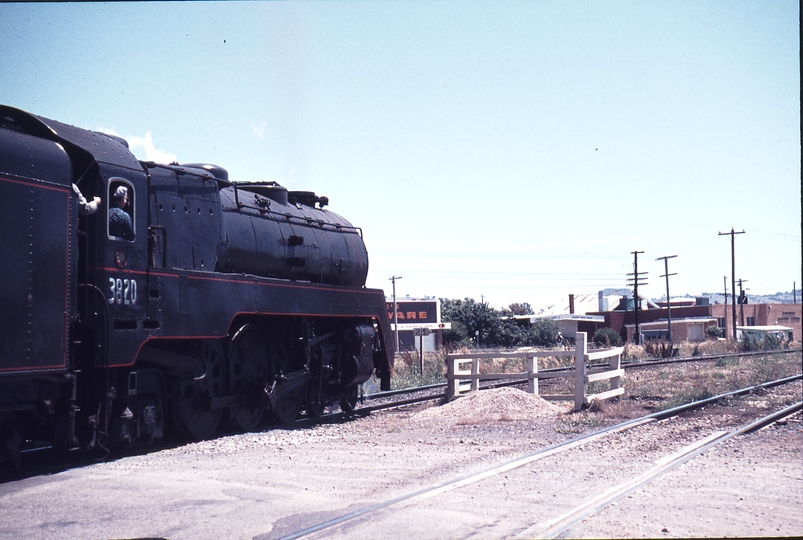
{"x": 395, "y": 313}
{"x": 668, "y": 303}
{"x": 733, "y": 276}
{"x": 742, "y": 301}
{"x": 637, "y": 280}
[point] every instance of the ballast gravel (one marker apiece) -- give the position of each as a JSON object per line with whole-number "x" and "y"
{"x": 276, "y": 482}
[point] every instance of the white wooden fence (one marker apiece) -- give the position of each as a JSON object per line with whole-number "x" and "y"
{"x": 463, "y": 371}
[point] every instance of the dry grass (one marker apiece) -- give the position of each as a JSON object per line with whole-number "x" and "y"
{"x": 657, "y": 388}
{"x": 668, "y": 386}
{"x": 685, "y": 349}
{"x": 649, "y": 389}
{"x": 407, "y": 371}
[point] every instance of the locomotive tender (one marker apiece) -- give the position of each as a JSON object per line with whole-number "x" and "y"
{"x": 215, "y": 302}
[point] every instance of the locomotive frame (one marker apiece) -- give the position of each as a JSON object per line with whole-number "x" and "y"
{"x": 231, "y": 302}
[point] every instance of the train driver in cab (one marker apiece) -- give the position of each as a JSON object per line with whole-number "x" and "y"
{"x": 120, "y": 224}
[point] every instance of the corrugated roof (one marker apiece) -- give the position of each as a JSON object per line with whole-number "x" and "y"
{"x": 583, "y": 303}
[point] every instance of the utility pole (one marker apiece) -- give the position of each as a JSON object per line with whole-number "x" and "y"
{"x": 395, "y": 313}
{"x": 725, "y": 282}
{"x": 742, "y": 301}
{"x": 733, "y": 276}
{"x": 636, "y": 281}
{"x": 668, "y": 303}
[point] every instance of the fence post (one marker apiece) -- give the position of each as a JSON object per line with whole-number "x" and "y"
{"x": 616, "y": 363}
{"x": 532, "y": 369}
{"x": 581, "y": 349}
{"x": 451, "y": 389}
{"x": 475, "y": 370}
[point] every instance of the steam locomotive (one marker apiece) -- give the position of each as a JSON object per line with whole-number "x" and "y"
{"x": 139, "y": 299}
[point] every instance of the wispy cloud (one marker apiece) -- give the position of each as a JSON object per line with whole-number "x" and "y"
{"x": 259, "y": 130}
{"x": 144, "y": 148}
{"x": 151, "y": 153}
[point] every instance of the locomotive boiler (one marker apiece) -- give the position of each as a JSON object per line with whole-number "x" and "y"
{"x": 139, "y": 299}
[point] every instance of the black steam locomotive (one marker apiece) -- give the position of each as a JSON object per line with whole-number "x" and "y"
{"x": 139, "y": 299}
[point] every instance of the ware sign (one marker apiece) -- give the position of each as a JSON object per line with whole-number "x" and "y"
{"x": 421, "y": 311}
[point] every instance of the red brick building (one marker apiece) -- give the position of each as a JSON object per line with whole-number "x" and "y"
{"x": 687, "y": 321}
{"x": 759, "y": 315}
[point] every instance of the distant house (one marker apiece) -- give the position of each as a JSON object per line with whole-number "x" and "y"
{"x": 688, "y": 319}
{"x": 684, "y": 329}
{"x": 761, "y": 333}
{"x": 568, "y": 324}
{"x": 571, "y": 315}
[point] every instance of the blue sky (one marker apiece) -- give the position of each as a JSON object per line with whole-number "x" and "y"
{"x": 511, "y": 151}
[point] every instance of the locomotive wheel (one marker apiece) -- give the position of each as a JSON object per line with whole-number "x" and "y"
{"x": 314, "y": 403}
{"x": 194, "y": 408}
{"x": 248, "y": 373}
{"x": 10, "y": 443}
{"x": 349, "y": 399}
{"x": 288, "y": 406}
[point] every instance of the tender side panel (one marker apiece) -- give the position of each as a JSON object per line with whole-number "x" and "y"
{"x": 37, "y": 218}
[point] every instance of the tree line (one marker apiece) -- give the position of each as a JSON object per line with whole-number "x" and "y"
{"x": 476, "y": 324}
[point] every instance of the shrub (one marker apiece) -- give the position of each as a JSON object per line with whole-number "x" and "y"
{"x": 713, "y": 332}
{"x": 543, "y": 332}
{"x": 607, "y": 337}
{"x": 658, "y": 349}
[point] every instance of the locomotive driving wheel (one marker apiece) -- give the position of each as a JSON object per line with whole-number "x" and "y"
{"x": 194, "y": 405}
{"x": 349, "y": 399}
{"x": 248, "y": 372}
{"x": 288, "y": 406}
{"x": 287, "y": 403}
{"x": 314, "y": 404}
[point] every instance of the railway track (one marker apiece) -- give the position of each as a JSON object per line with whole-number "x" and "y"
{"x": 694, "y": 428}
{"x": 706, "y": 357}
{"x": 285, "y": 482}
{"x": 407, "y": 396}
{"x": 42, "y": 461}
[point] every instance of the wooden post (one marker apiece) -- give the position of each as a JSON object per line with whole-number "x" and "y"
{"x": 451, "y": 386}
{"x": 475, "y": 370}
{"x": 616, "y": 364}
{"x": 421, "y": 350}
{"x": 580, "y": 352}
{"x": 532, "y": 369}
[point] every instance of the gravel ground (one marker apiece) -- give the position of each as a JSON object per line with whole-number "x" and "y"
{"x": 748, "y": 486}
{"x": 273, "y": 483}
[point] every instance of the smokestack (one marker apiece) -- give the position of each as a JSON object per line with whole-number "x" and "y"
{"x": 571, "y": 304}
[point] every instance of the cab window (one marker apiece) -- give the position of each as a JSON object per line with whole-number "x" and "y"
{"x": 121, "y": 209}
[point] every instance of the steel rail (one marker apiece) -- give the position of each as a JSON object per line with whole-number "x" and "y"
{"x": 561, "y": 524}
{"x": 470, "y": 478}
{"x": 683, "y": 359}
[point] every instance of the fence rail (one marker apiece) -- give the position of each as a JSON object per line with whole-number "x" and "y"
{"x": 463, "y": 371}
